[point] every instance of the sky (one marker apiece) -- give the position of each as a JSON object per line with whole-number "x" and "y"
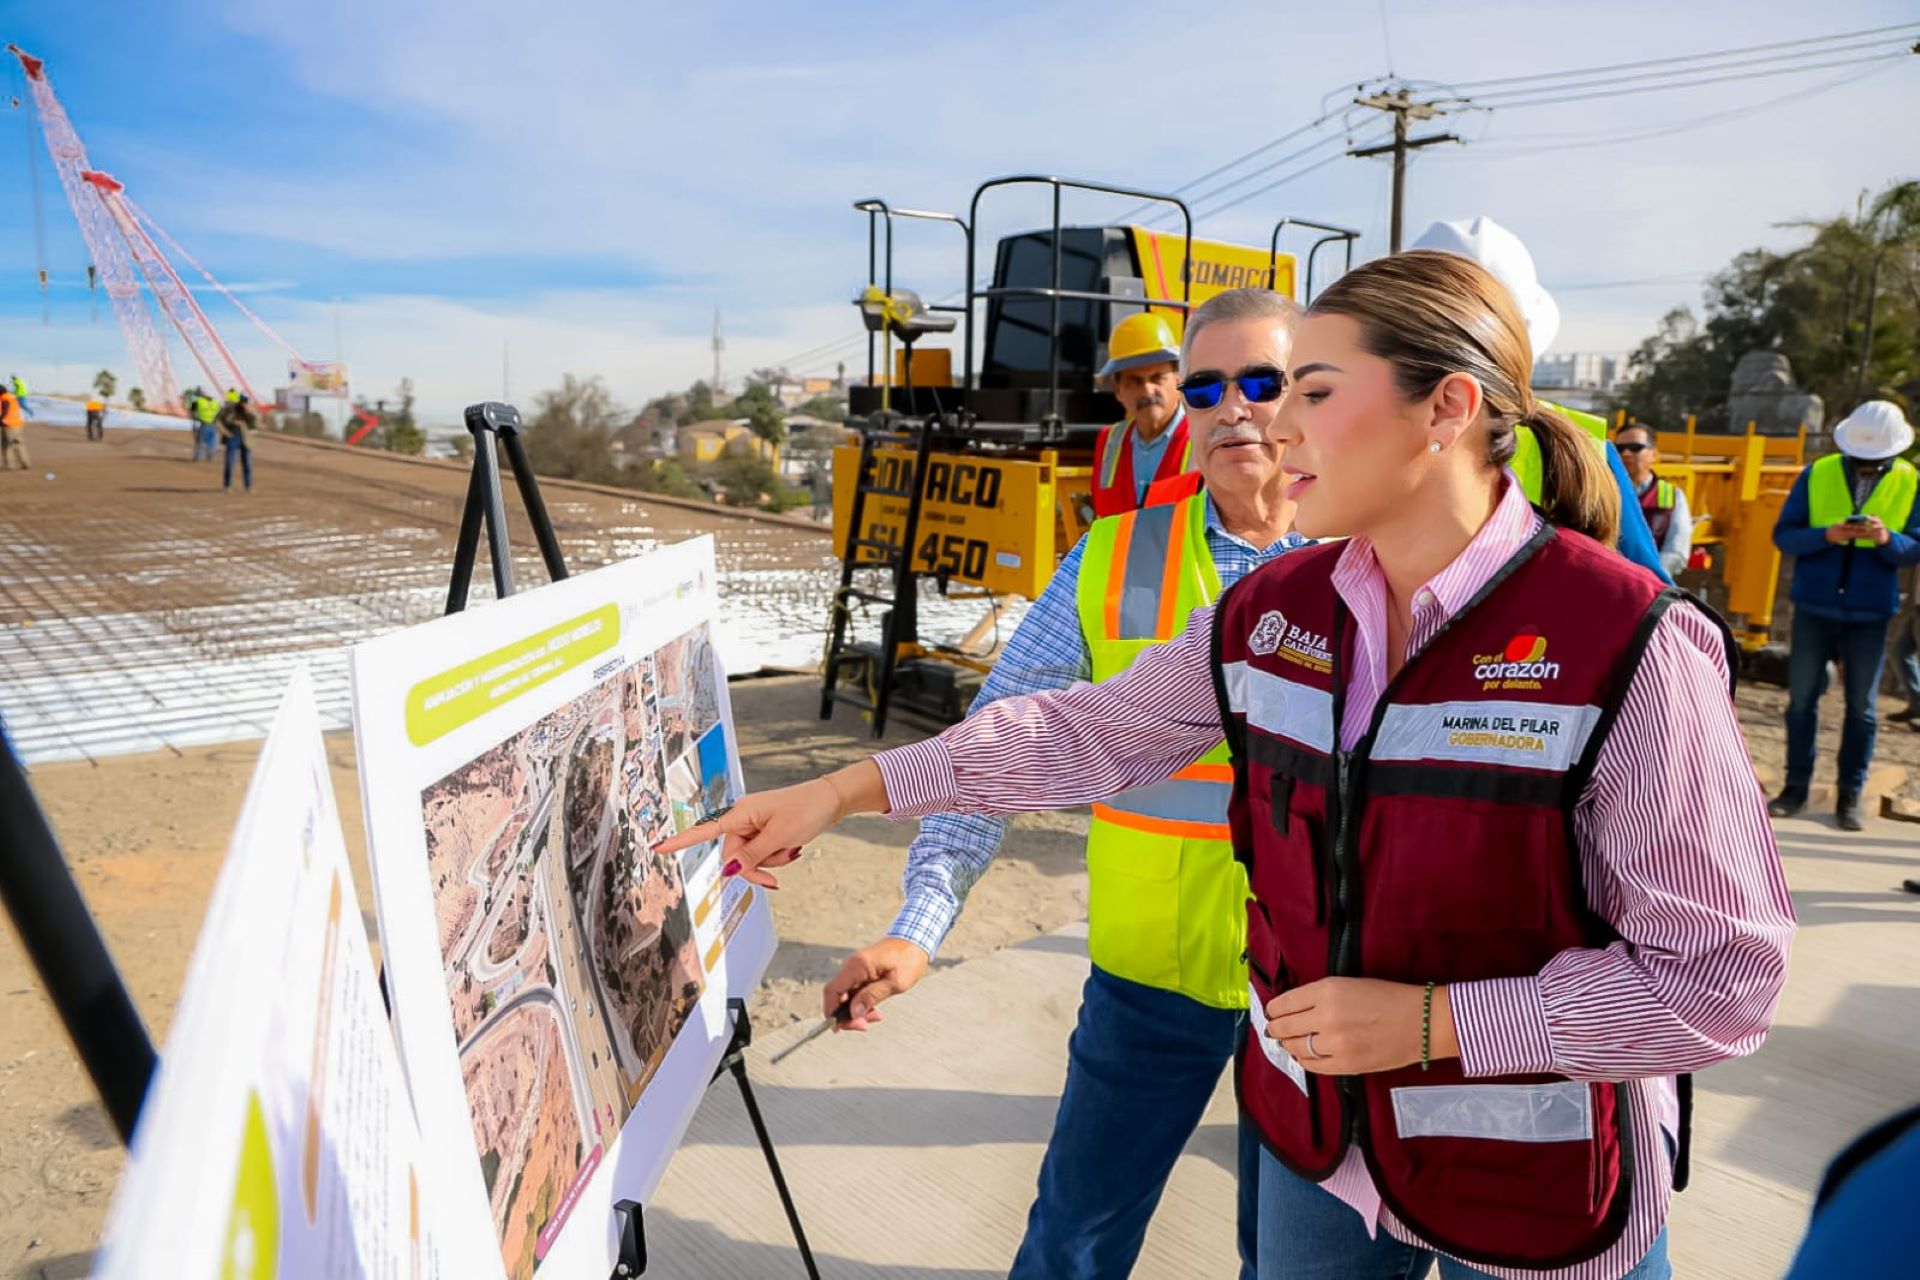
{"x": 484, "y": 196}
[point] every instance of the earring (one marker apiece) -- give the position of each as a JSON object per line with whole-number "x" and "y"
{"x": 1433, "y": 446}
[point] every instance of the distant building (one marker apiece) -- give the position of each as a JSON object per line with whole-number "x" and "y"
{"x": 1579, "y": 379}
{"x": 707, "y": 441}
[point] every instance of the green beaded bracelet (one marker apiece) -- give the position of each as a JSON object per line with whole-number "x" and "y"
{"x": 1426, "y": 1029}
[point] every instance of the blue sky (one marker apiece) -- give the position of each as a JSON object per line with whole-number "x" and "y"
{"x": 582, "y": 183}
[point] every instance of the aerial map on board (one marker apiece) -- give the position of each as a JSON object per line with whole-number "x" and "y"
{"x": 569, "y": 956}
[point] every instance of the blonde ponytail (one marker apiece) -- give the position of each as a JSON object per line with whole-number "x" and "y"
{"x": 1577, "y": 491}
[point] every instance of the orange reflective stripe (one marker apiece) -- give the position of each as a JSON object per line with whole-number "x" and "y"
{"x": 1170, "y": 579}
{"x": 1117, "y": 572}
{"x": 1163, "y": 826}
{"x": 1204, "y": 772}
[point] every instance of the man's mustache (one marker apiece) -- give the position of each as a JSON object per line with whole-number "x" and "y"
{"x": 1235, "y": 433}
{"x": 1152, "y": 399}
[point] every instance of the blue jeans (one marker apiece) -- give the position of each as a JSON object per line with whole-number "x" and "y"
{"x": 1861, "y": 650}
{"x": 1906, "y": 656}
{"x": 237, "y": 445}
{"x": 1307, "y": 1233}
{"x": 1141, "y": 1067}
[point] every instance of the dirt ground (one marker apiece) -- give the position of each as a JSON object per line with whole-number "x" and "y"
{"x": 145, "y": 836}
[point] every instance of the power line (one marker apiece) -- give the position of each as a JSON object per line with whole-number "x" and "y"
{"x": 1552, "y": 101}
{"x": 1656, "y": 79}
{"x": 1281, "y": 181}
{"x": 1262, "y": 149}
{"x": 1689, "y": 57}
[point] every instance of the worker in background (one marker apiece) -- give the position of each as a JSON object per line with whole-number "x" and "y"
{"x": 1662, "y": 502}
{"x": 1848, "y": 526}
{"x": 202, "y": 409}
{"x": 13, "y": 430}
{"x": 1162, "y": 1010}
{"x": 1506, "y": 258}
{"x": 238, "y": 422}
{"x": 1146, "y": 457}
{"x": 19, "y": 386}
{"x": 96, "y": 418}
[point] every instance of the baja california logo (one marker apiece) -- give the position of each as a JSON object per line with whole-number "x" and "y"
{"x": 1521, "y": 665}
{"x": 1267, "y": 635}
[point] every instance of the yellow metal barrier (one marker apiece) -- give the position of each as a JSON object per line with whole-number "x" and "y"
{"x": 999, "y": 524}
{"x": 1735, "y": 487}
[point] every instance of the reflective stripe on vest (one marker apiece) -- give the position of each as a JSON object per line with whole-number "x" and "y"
{"x": 1166, "y": 899}
{"x": 1656, "y": 504}
{"x": 1830, "y": 497}
{"x": 1116, "y": 489}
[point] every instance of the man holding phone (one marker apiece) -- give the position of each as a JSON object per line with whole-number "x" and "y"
{"x": 1847, "y": 526}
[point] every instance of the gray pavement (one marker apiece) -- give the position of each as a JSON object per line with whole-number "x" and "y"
{"x": 913, "y": 1149}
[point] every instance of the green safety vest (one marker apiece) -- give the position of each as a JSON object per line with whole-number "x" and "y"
{"x": 1526, "y": 447}
{"x": 1830, "y": 498}
{"x": 1166, "y": 899}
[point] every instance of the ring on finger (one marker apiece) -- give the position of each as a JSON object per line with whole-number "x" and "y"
{"x": 1311, "y": 1051}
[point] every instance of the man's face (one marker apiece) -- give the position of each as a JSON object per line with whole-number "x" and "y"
{"x": 1637, "y": 451}
{"x": 1233, "y": 442}
{"x": 1150, "y": 393}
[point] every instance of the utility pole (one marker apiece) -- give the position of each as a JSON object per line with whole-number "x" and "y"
{"x": 1403, "y": 108}
{"x": 719, "y": 345}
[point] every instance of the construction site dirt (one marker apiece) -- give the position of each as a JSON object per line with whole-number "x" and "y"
{"x": 330, "y": 547}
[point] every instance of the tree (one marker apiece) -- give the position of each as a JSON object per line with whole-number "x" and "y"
{"x": 751, "y": 481}
{"x": 398, "y": 432}
{"x": 571, "y": 435}
{"x": 137, "y": 398}
{"x": 104, "y": 382}
{"x": 1844, "y": 308}
{"x": 762, "y": 412}
{"x": 699, "y": 405}
{"x": 826, "y": 407}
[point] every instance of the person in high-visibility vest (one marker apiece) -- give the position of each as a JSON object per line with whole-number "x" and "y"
{"x": 13, "y": 432}
{"x": 203, "y": 408}
{"x": 1848, "y": 524}
{"x": 1662, "y": 502}
{"x": 1161, "y": 1013}
{"x": 1506, "y": 258}
{"x": 96, "y": 418}
{"x": 1146, "y": 457}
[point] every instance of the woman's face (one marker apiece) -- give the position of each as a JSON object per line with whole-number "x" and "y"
{"x": 1354, "y": 442}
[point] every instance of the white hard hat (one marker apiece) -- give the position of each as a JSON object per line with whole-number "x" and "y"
{"x": 1506, "y": 260}
{"x": 1876, "y": 430}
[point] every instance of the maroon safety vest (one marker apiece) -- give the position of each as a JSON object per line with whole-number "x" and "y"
{"x": 1440, "y": 849}
{"x": 1657, "y": 505}
{"x": 1114, "y": 490}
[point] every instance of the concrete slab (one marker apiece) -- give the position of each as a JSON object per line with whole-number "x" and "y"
{"x": 912, "y": 1150}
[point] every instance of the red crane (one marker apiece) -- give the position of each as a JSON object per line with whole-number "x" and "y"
{"x": 126, "y": 255}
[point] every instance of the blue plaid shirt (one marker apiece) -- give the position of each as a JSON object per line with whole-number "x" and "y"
{"x": 1047, "y": 651}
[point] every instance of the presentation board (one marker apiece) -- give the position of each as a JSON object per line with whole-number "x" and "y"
{"x": 559, "y": 990}
{"x": 277, "y": 1141}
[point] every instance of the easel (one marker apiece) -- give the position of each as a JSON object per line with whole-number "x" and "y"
{"x": 485, "y": 502}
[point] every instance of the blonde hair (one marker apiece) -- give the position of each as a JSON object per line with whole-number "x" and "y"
{"x": 1432, "y": 314}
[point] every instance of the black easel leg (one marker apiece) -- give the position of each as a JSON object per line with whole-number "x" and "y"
{"x": 467, "y": 545}
{"x": 739, "y": 1068}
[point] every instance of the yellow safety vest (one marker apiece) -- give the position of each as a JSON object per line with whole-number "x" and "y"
{"x": 1830, "y": 498}
{"x": 1166, "y": 899}
{"x": 1526, "y": 450}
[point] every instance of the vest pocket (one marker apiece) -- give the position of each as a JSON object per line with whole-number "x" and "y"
{"x": 1560, "y": 1112}
{"x": 1133, "y": 906}
{"x": 1482, "y": 1152}
{"x": 1288, "y": 875}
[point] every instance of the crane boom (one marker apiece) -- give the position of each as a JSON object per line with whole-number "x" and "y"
{"x": 110, "y": 251}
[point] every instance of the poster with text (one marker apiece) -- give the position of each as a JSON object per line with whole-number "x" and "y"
{"x": 277, "y": 1142}
{"x": 559, "y": 989}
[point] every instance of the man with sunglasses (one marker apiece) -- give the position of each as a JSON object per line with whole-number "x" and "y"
{"x": 1663, "y": 503}
{"x": 1146, "y": 457}
{"x": 1161, "y": 1012}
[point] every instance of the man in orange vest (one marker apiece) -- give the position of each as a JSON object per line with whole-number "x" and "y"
{"x": 1144, "y": 459}
{"x": 13, "y": 431}
{"x": 96, "y": 418}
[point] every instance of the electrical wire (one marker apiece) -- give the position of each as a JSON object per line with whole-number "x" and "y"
{"x": 1659, "y": 79}
{"x": 1216, "y": 171}
{"x": 1552, "y": 101}
{"x": 1689, "y": 57}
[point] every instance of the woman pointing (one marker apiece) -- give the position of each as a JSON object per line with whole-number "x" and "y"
{"x": 1511, "y": 870}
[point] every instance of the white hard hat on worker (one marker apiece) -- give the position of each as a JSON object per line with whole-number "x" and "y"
{"x": 1875, "y": 431}
{"x": 1506, "y": 259}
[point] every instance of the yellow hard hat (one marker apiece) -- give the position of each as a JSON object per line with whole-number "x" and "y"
{"x": 1146, "y": 338}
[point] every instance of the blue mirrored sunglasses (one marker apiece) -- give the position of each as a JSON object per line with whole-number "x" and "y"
{"x": 1206, "y": 390}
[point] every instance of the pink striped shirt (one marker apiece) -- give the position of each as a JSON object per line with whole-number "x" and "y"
{"x": 1675, "y": 846}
